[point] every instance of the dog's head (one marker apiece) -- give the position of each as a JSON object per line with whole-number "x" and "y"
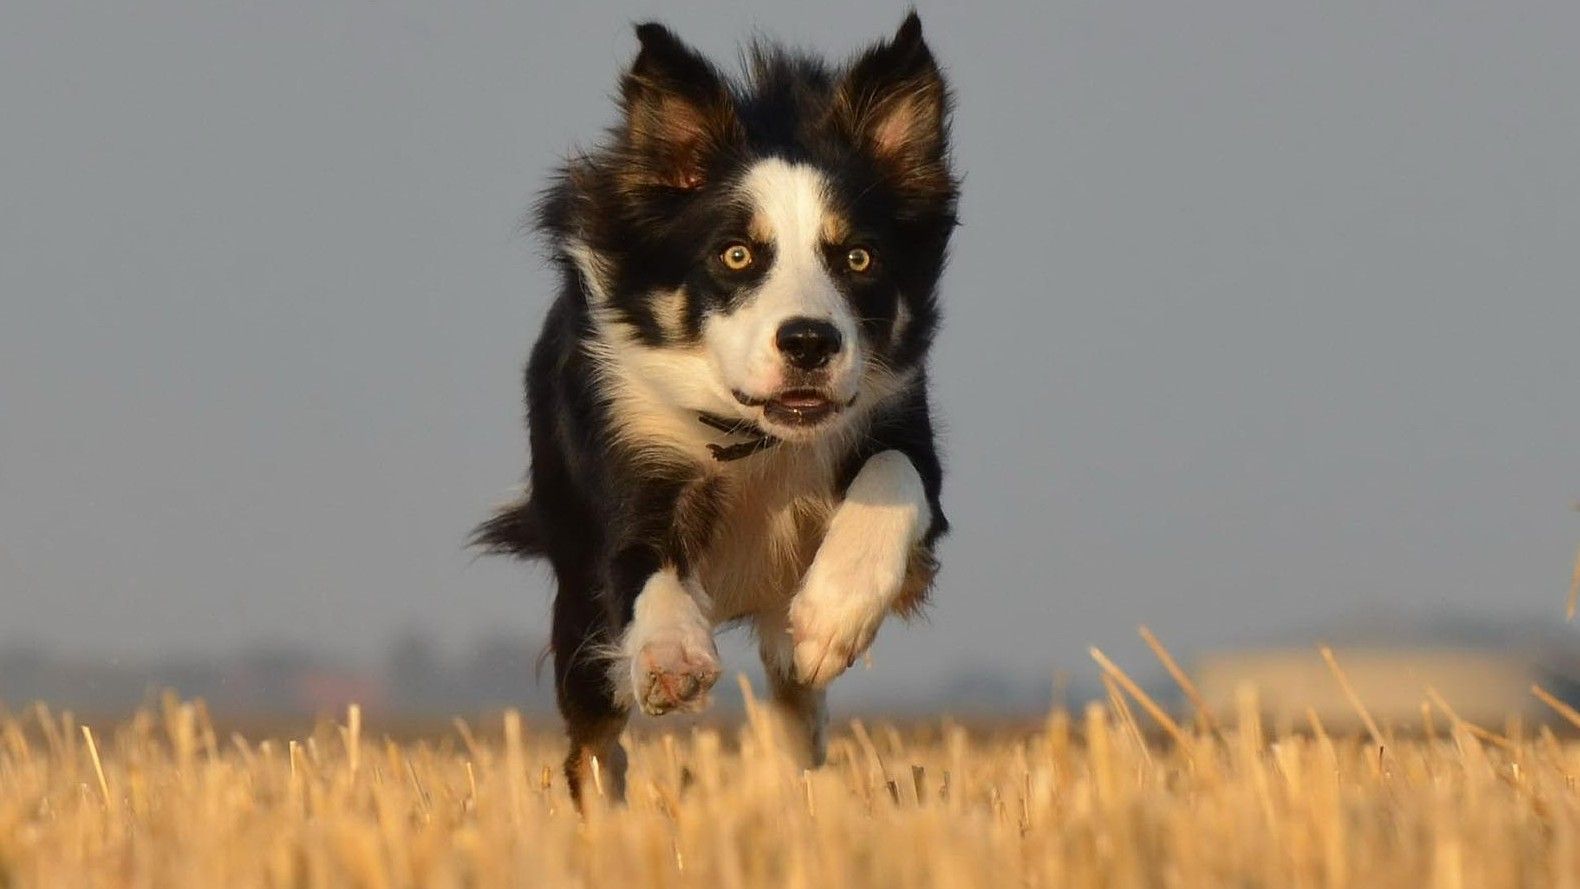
{"x": 767, "y": 250}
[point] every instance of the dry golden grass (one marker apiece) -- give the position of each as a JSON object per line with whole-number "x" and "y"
{"x": 1086, "y": 800}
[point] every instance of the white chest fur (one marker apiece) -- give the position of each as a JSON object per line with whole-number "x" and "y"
{"x": 777, "y": 507}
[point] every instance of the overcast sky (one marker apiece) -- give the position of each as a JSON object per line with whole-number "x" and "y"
{"x": 1263, "y": 315}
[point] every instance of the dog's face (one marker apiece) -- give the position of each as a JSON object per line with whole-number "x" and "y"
{"x": 768, "y": 251}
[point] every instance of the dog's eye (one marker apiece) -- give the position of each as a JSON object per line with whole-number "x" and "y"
{"x": 736, "y": 257}
{"x": 858, "y": 259}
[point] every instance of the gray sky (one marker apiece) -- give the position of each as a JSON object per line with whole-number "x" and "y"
{"x": 1262, "y": 314}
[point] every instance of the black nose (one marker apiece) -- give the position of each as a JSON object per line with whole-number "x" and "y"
{"x": 807, "y": 343}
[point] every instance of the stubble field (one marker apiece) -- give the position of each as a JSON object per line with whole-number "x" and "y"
{"x": 1116, "y": 795}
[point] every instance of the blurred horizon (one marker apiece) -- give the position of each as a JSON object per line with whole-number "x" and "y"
{"x": 1485, "y": 665}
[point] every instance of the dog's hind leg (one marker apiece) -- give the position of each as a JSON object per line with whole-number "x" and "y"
{"x": 596, "y": 762}
{"x": 799, "y": 711}
{"x": 593, "y": 719}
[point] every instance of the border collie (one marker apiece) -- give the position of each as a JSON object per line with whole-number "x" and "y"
{"x": 727, "y": 405}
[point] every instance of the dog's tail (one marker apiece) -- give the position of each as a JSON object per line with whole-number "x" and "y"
{"x": 512, "y": 531}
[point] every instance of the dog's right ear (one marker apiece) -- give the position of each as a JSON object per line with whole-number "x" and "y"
{"x": 678, "y": 112}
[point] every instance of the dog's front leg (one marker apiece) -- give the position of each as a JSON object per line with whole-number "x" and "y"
{"x": 860, "y": 568}
{"x": 668, "y": 647}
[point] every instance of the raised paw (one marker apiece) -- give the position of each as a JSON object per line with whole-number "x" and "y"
{"x": 673, "y": 675}
{"x": 829, "y": 636}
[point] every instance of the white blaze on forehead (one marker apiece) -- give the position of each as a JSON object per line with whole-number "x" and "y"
{"x": 789, "y": 205}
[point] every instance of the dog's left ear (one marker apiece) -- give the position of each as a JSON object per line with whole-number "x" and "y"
{"x": 893, "y": 104}
{"x": 678, "y": 112}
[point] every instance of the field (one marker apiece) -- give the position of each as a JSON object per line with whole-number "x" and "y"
{"x": 1120, "y": 794}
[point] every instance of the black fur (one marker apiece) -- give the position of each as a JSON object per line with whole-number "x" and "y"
{"x": 654, "y": 202}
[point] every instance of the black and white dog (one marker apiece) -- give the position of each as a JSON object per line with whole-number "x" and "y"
{"x": 727, "y": 405}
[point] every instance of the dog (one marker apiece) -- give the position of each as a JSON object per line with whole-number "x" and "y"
{"x": 727, "y": 406}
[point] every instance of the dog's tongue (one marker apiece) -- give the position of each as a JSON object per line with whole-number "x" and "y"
{"x": 799, "y": 408}
{"x": 802, "y": 400}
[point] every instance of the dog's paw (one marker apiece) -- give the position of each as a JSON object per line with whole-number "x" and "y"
{"x": 859, "y": 569}
{"x": 830, "y": 632}
{"x": 674, "y": 673}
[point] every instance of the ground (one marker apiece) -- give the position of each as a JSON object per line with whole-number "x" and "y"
{"x": 1088, "y": 799}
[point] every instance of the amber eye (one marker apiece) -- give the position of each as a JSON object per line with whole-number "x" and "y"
{"x": 736, "y": 257}
{"x": 858, "y": 259}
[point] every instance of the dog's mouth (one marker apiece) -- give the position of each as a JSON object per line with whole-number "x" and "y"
{"x": 796, "y": 408}
{"x": 800, "y": 407}
{"x": 790, "y": 414}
